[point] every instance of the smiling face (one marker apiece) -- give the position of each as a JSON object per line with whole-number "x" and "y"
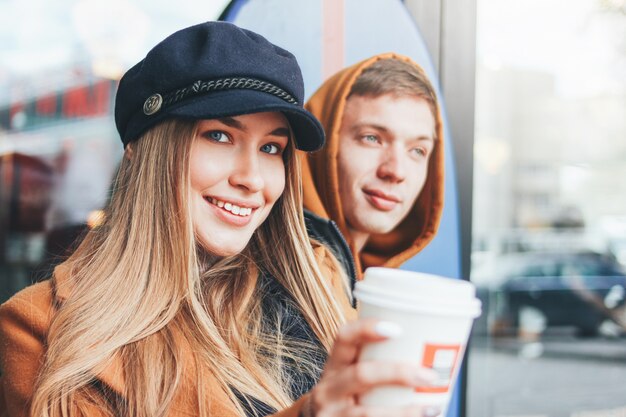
{"x": 237, "y": 173}
{"x": 385, "y": 143}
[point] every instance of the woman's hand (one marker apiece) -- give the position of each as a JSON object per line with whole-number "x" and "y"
{"x": 344, "y": 380}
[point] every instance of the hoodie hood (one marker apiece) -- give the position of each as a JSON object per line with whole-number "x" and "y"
{"x": 321, "y": 179}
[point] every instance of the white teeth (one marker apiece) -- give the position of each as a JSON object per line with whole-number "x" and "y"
{"x": 240, "y": 211}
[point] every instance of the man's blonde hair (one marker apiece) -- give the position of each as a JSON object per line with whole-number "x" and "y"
{"x": 398, "y": 78}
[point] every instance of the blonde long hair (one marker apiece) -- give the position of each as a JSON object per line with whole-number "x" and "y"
{"x": 139, "y": 282}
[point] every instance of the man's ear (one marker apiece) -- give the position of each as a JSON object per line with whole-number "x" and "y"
{"x": 128, "y": 152}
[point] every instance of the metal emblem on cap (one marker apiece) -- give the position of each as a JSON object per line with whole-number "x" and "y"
{"x": 152, "y": 104}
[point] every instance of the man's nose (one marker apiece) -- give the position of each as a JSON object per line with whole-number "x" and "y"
{"x": 392, "y": 165}
{"x": 246, "y": 173}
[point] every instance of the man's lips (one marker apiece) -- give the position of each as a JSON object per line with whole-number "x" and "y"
{"x": 381, "y": 200}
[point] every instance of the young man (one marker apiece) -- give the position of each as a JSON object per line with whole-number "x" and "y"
{"x": 379, "y": 179}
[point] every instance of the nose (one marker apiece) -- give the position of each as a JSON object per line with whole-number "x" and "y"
{"x": 246, "y": 174}
{"x": 392, "y": 166}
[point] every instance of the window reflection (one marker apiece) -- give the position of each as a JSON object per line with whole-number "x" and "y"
{"x": 59, "y": 68}
{"x": 549, "y": 210}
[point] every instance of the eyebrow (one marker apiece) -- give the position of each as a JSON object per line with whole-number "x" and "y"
{"x": 427, "y": 138}
{"x": 236, "y": 124}
{"x": 281, "y": 131}
{"x": 370, "y": 125}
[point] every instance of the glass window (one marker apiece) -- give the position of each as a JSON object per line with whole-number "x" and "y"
{"x": 549, "y": 216}
{"x": 59, "y": 67}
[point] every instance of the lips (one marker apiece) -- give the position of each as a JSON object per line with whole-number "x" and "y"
{"x": 380, "y": 200}
{"x": 237, "y": 213}
{"x": 237, "y": 209}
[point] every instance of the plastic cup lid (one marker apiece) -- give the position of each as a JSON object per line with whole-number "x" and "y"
{"x": 417, "y": 287}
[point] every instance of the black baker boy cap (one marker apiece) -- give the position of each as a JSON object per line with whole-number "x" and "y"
{"x": 213, "y": 70}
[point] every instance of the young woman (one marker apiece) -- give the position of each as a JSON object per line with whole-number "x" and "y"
{"x": 201, "y": 294}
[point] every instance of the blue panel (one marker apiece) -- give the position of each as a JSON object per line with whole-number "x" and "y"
{"x": 375, "y": 27}
{"x": 232, "y": 9}
{"x": 295, "y": 26}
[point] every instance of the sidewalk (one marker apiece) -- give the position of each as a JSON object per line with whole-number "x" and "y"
{"x": 605, "y": 349}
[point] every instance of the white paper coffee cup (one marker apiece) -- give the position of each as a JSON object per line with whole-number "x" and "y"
{"x": 436, "y": 315}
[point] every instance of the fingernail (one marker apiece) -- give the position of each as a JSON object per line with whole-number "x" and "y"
{"x": 429, "y": 375}
{"x": 432, "y": 412}
{"x": 424, "y": 377}
{"x": 388, "y": 329}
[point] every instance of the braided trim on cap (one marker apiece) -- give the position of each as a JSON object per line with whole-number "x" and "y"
{"x": 240, "y": 83}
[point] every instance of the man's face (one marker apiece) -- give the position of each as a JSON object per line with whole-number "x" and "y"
{"x": 384, "y": 148}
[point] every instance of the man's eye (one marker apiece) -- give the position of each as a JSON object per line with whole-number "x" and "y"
{"x": 419, "y": 151}
{"x": 217, "y": 136}
{"x": 270, "y": 148}
{"x": 370, "y": 139}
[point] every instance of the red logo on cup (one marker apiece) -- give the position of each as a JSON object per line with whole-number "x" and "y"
{"x": 441, "y": 359}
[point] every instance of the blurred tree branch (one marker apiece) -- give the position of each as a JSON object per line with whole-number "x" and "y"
{"x": 616, "y": 6}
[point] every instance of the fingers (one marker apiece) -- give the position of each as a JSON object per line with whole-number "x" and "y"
{"x": 354, "y": 335}
{"x": 363, "y": 376}
{"x": 344, "y": 379}
{"x": 359, "y": 411}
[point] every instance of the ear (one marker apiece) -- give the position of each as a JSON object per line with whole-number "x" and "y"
{"x": 128, "y": 152}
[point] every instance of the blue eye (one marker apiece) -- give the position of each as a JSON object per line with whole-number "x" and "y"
{"x": 270, "y": 148}
{"x": 217, "y": 136}
{"x": 370, "y": 139}
{"x": 419, "y": 151}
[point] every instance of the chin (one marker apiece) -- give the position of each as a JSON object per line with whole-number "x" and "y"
{"x": 223, "y": 250}
{"x": 222, "y": 253}
{"x": 373, "y": 227}
{"x": 227, "y": 251}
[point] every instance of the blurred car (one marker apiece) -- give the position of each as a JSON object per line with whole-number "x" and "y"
{"x": 581, "y": 289}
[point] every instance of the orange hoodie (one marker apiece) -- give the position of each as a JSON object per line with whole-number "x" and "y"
{"x": 321, "y": 179}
